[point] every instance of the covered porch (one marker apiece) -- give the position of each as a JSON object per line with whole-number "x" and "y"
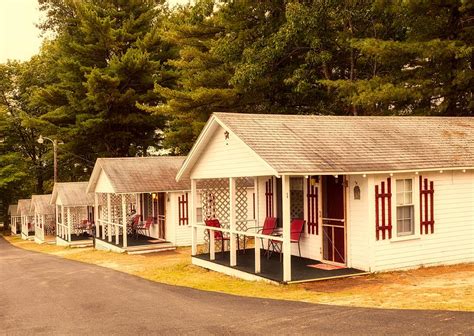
{"x": 27, "y": 219}
{"x": 74, "y": 214}
{"x": 286, "y": 253}
{"x": 44, "y": 215}
{"x": 136, "y": 201}
{"x": 15, "y": 219}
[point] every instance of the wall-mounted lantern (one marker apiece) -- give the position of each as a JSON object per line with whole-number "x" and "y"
{"x": 356, "y": 192}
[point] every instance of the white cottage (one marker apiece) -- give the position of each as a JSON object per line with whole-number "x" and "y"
{"x": 140, "y": 196}
{"x": 44, "y": 215}
{"x": 27, "y": 219}
{"x": 15, "y": 219}
{"x": 74, "y": 214}
{"x": 375, "y": 193}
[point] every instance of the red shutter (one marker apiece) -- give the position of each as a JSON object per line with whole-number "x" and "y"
{"x": 383, "y": 210}
{"x": 183, "y": 209}
{"x": 269, "y": 197}
{"x": 426, "y": 206}
{"x": 313, "y": 210}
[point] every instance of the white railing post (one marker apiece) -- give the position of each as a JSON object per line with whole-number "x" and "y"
{"x": 69, "y": 224}
{"x": 257, "y": 219}
{"x": 63, "y": 220}
{"x": 96, "y": 215}
{"x": 212, "y": 245}
{"x": 232, "y": 223}
{"x": 193, "y": 217}
{"x": 109, "y": 217}
{"x": 124, "y": 221}
{"x": 286, "y": 228}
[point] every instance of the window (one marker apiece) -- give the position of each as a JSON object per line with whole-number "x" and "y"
{"x": 405, "y": 208}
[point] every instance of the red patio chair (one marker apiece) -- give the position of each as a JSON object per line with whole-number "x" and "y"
{"x": 218, "y": 236}
{"x": 144, "y": 228}
{"x": 269, "y": 226}
{"x": 296, "y": 230}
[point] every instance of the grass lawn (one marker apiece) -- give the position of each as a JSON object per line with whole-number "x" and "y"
{"x": 444, "y": 287}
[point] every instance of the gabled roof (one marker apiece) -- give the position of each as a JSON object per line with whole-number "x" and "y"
{"x": 41, "y": 204}
{"x": 72, "y": 194}
{"x": 140, "y": 174}
{"x": 13, "y": 210}
{"x": 24, "y": 207}
{"x": 303, "y": 144}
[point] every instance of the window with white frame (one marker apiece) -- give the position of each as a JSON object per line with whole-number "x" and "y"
{"x": 405, "y": 208}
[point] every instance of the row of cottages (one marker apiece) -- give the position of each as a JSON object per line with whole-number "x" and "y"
{"x": 43, "y": 219}
{"x": 139, "y": 206}
{"x": 348, "y": 194}
{"x": 74, "y": 214}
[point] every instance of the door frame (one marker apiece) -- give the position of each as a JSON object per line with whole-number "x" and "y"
{"x": 345, "y": 198}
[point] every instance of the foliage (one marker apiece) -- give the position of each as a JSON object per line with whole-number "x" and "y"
{"x": 126, "y": 78}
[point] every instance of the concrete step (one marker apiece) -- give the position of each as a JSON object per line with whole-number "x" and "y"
{"x": 150, "y": 248}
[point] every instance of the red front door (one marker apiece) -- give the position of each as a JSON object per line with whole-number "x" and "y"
{"x": 333, "y": 219}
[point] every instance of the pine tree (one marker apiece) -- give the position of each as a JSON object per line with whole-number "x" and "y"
{"x": 211, "y": 36}
{"x": 105, "y": 58}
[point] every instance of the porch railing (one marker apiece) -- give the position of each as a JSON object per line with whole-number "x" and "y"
{"x": 235, "y": 233}
{"x": 63, "y": 231}
{"x": 39, "y": 229}
{"x": 109, "y": 230}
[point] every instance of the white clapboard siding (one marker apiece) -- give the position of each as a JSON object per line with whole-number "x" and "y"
{"x": 228, "y": 158}
{"x": 359, "y": 231}
{"x": 453, "y": 237}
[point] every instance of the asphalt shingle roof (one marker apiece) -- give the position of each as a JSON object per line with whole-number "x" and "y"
{"x": 144, "y": 174}
{"x": 72, "y": 194}
{"x": 24, "y": 207}
{"x": 41, "y": 204}
{"x": 301, "y": 144}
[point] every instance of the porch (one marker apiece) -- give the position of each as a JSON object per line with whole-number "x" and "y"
{"x": 308, "y": 232}
{"x": 130, "y": 222}
{"x": 302, "y": 269}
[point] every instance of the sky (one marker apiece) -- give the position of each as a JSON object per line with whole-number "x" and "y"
{"x": 19, "y": 37}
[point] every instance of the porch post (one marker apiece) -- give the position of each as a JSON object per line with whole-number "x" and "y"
{"x": 63, "y": 233}
{"x": 69, "y": 224}
{"x": 56, "y": 220}
{"x": 286, "y": 228}
{"x": 109, "y": 217}
{"x": 124, "y": 220}
{"x": 96, "y": 215}
{"x": 193, "y": 217}
{"x": 232, "y": 223}
{"x": 257, "y": 218}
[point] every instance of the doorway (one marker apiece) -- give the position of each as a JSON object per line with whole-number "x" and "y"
{"x": 333, "y": 226}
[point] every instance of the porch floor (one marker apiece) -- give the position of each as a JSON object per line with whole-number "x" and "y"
{"x": 272, "y": 268}
{"x": 140, "y": 243}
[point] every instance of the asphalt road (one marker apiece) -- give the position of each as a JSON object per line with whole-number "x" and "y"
{"x": 47, "y": 295}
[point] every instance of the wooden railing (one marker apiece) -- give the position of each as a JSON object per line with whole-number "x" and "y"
{"x": 113, "y": 230}
{"x": 63, "y": 231}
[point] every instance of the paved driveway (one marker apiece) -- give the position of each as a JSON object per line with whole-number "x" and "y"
{"x": 42, "y": 294}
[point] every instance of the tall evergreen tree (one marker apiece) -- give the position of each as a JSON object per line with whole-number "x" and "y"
{"x": 106, "y": 57}
{"x": 211, "y": 37}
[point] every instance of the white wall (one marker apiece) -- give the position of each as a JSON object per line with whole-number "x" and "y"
{"x": 228, "y": 158}
{"x": 358, "y": 223}
{"x": 453, "y": 237}
{"x": 103, "y": 184}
